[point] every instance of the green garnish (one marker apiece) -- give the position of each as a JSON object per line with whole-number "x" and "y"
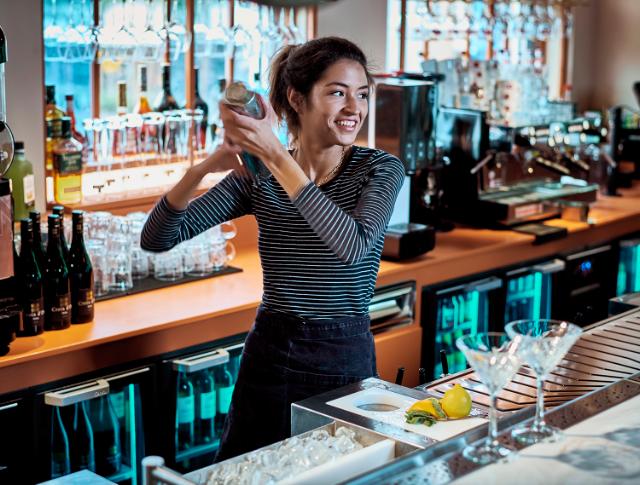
{"x": 419, "y": 417}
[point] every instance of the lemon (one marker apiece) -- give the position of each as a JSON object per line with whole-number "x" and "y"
{"x": 456, "y": 402}
{"x": 430, "y": 406}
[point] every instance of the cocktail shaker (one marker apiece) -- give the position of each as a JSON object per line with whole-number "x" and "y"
{"x": 245, "y": 102}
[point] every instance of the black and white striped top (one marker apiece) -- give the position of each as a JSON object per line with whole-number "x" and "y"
{"x": 320, "y": 253}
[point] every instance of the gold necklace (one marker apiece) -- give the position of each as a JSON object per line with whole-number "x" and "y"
{"x": 335, "y": 169}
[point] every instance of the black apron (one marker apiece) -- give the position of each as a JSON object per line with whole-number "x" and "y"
{"x": 287, "y": 359}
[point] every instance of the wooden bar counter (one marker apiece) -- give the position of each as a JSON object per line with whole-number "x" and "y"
{"x": 136, "y": 327}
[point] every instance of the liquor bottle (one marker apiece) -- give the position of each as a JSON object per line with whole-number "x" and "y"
{"x": 30, "y": 281}
{"x": 57, "y": 291}
{"x": 224, "y": 391}
{"x": 200, "y": 104}
{"x": 122, "y": 98}
{"x": 22, "y": 183}
{"x": 52, "y": 113}
{"x": 59, "y": 211}
{"x": 60, "y": 456}
{"x": 48, "y": 146}
{"x": 205, "y": 406}
{"x": 185, "y": 413}
{"x": 166, "y": 101}
{"x": 71, "y": 113}
{"x": 82, "y": 446}
{"x": 67, "y": 166}
{"x": 38, "y": 248}
{"x": 80, "y": 274}
{"x": 142, "y": 106}
{"x": 106, "y": 437}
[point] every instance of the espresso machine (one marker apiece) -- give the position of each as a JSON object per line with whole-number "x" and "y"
{"x": 401, "y": 120}
{"x": 6, "y": 211}
{"x": 625, "y": 143}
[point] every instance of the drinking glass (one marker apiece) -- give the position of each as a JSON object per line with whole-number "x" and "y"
{"x": 544, "y": 344}
{"x": 97, "y": 254}
{"x": 168, "y": 266}
{"x": 495, "y": 360}
{"x": 221, "y": 254}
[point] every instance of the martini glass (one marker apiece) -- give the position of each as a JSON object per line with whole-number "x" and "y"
{"x": 544, "y": 344}
{"x": 495, "y": 360}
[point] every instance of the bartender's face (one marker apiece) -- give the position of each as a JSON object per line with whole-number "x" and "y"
{"x": 337, "y": 104}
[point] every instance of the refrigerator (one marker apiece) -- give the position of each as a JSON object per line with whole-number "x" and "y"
{"x": 196, "y": 386}
{"x": 99, "y": 424}
{"x": 530, "y": 289}
{"x": 628, "y": 278}
{"x": 586, "y": 285}
{"x": 14, "y": 424}
{"x": 454, "y": 310}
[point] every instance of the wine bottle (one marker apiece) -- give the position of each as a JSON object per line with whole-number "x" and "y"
{"x": 106, "y": 435}
{"x": 38, "y": 248}
{"x": 59, "y": 211}
{"x": 200, "y": 104}
{"x": 205, "y": 407}
{"x": 82, "y": 446}
{"x": 185, "y": 413}
{"x": 224, "y": 391}
{"x": 60, "y": 457}
{"x": 166, "y": 101}
{"x": 142, "y": 106}
{"x": 52, "y": 113}
{"x": 22, "y": 182}
{"x": 30, "y": 281}
{"x": 57, "y": 290}
{"x": 80, "y": 274}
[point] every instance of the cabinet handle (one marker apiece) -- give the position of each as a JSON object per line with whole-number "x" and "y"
{"x": 9, "y": 406}
{"x": 75, "y": 394}
{"x": 199, "y": 362}
{"x": 550, "y": 267}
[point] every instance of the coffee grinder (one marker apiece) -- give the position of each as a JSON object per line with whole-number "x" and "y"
{"x": 400, "y": 122}
{"x": 6, "y": 212}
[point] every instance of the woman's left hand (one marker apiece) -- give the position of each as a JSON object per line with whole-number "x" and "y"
{"x": 252, "y": 135}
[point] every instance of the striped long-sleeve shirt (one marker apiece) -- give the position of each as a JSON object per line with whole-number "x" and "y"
{"x": 320, "y": 252}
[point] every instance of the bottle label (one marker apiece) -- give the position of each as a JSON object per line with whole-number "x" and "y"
{"x": 28, "y": 184}
{"x": 186, "y": 409}
{"x": 224, "y": 399}
{"x": 85, "y": 301}
{"x": 68, "y": 163}
{"x": 61, "y": 310}
{"x": 34, "y": 314}
{"x": 54, "y": 128}
{"x": 208, "y": 405}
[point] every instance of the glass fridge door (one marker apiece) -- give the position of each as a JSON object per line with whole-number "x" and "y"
{"x": 204, "y": 384}
{"x": 530, "y": 290}
{"x": 461, "y": 310}
{"x": 96, "y": 425}
{"x": 629, "y": 267}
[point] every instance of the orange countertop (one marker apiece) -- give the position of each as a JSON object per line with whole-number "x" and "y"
{"x": 147, "y": 324}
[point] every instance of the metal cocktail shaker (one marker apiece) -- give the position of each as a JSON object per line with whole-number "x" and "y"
{"x": 246, "y": 102}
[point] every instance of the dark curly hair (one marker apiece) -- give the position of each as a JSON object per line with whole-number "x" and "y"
{"x": 301, "y": 66}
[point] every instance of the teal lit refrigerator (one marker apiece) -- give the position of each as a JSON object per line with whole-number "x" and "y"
{"x": 530, "y": 290}
{"x": 96, "y": 424}
{"x": 199, "y": 384}
{"x": 454, "y": 310}
{"x": 628, "y": 280}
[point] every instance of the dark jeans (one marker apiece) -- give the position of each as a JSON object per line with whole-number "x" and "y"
{"x": 288, "y": 359}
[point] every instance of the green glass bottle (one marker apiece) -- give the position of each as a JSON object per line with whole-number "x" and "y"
{"x": 22, "y": 182}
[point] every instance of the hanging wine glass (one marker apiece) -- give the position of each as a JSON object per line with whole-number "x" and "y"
{"x": 200, "y": 31}
{"x": 283, "y": 31}
{"x": 242, "y": 40}
{"x": 150, "y": 40}
{"x": 51, "y": 34}
{"x": 219, "y": 41}
{"x": 545, "y": 23}
{"x": 70, "y": 42}
{"x": 295, "y": 32}
{"x": 124, "y": 45}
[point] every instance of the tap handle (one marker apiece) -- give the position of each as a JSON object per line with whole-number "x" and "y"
{"x": 400, "y": 376}
{"x": 444, "y": 362}
{"x": 422, "y": 375}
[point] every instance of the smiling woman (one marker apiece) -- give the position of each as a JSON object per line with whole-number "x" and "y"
{"x": 322, "y": 213}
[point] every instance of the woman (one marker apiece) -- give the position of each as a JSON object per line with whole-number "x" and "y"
{"x": 322, "y": 214}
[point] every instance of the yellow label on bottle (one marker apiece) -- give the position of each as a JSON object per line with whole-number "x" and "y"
{"x": 68, "y": 189}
